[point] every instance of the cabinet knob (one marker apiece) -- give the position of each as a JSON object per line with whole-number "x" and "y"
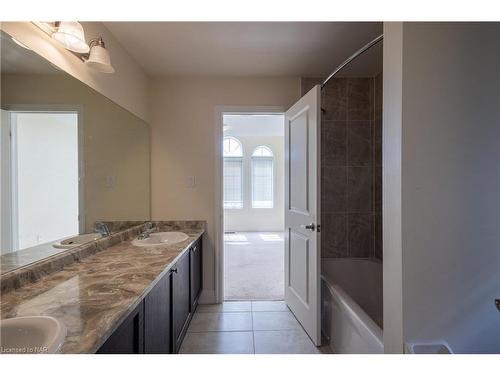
{"x": 174, "y": 270}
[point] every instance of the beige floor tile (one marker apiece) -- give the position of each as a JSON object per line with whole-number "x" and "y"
{"x": 231, "y": 321}
{"x": 284, "y": 342}
{"x": 218, "y": 343}
{"x": 226, "y": 307}
{"x": 276, "y": 320}
{"x": 269, "y": 306}
{"x": 225, "y": 329}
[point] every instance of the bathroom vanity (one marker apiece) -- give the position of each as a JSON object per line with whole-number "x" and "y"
{"x": 113, "y": 296}
{"x": 160, "y": 320}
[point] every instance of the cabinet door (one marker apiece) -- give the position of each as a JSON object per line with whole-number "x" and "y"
{"x": 157, "y": 322}
{"x": 196, "y": 274}
{"x": 128, "y": 337}
{"x": 181, "y": 303}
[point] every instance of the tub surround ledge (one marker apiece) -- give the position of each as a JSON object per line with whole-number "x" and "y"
{"x": 94, "y": 287}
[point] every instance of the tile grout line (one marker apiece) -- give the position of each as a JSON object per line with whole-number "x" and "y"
{"x": 253, "y": 342}
{"x": 253, "y": 331}
{"x": 224, "y": 312}
{"x": 236, "y": 330}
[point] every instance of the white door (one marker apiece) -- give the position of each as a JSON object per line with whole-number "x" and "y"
{"x": 5, "y": 185}
{"x": 302, "y": 212}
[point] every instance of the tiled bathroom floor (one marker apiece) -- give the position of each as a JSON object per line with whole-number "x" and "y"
{"x": 247, "y": 327}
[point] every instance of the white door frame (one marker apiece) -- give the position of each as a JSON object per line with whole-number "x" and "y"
{"x": 6, "y": 234}
{"x": 220, "y": 111}
{"x": 60, "y": 108}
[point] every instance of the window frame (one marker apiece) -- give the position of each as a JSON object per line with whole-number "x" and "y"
{"x": 252, "y": 176}
{"x": 234, "y": 205}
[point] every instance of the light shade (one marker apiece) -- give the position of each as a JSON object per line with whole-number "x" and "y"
{"x": 99, "y": 57}
{"x": 71, "y": 36}
{"x": 20, "y": 43}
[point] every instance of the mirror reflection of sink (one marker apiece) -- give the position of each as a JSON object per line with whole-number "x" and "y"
{"x": 161, "y": 238}
{"x": 68, "y": 243}
{"x": 31, "y": 335}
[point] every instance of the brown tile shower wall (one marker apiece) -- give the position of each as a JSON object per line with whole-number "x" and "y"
{"x": 377, "y": 162}
{"x": 351, "y": 209}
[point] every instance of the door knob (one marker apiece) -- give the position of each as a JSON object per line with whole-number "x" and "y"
{"x": 311, "y": 227}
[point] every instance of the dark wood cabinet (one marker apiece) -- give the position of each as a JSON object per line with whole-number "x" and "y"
{"x": 157, "y": 318}
{"x": 181, "y": 299}
{"x": 196, "y": 274}
{"x": 128, "y": 338}
{"x": 159, "y": 323}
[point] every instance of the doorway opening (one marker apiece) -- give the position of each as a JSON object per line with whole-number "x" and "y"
{"x": 253, "y": 206}
{"x": 39, "y": 149}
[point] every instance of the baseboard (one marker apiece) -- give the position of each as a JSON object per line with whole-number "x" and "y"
{"x": 207, "y": 297}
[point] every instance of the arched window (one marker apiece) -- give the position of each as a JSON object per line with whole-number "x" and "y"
{"x": 233, "y": 173}
{"x": 262, "y": 177}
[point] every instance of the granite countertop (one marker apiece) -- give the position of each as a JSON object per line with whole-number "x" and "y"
{"x": 93, "y": 296}
{"x": 16, "y": 259}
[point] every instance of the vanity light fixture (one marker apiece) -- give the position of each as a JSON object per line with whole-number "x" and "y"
{"x": 20, "y": 43}
{"x": 71, "y": 35}
{"x": 98, "y": 57}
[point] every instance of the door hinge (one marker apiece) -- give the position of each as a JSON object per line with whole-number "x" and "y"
{"x": 318, "y": 228}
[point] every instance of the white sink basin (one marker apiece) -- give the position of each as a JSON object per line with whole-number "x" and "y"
{"x": 31, "y": 335}
{"x": 161, "y": 238}
{"x": 68, "y": 243}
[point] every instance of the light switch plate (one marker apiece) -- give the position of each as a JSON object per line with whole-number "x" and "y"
{"x": 191, "y": 182}
{"x": 110, "y": 182}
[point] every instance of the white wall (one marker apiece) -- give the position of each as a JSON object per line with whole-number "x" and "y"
{"x": 47, "y": 176}
{"x": 127, "y": 86}
{"x": 183, "y": 144}
{"x": 450, "y": 185}
{"x": 258, "y": 219}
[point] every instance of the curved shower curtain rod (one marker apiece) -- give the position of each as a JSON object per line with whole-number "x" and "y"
{"x": 356, "y": 54}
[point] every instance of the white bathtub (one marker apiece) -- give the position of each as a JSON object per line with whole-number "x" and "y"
{"x": 351, "y": 294}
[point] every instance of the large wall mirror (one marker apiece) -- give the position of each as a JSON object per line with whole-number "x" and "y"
{"x": 69, "y": 158}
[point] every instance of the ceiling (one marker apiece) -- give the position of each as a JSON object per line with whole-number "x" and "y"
{"x": 215, "y": 49}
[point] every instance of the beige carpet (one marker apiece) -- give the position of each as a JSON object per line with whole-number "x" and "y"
{"x": 254, "y": 266}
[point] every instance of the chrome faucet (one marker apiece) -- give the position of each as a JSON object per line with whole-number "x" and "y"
{"x": 101, "y": 228}
{"x": 148, "y": 228}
